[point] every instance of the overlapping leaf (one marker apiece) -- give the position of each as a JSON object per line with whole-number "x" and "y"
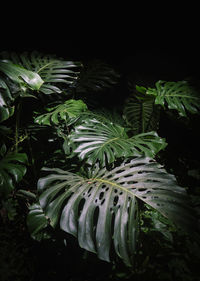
{"x": 102, "y": 210}
{"x": 69, "y": 111}
{"x": 140, "y": 111}
{"x": 19, "y": 74}
{"x": 12, "y": 169}
{"x": 96, "y": 76}
{"x": 6, "y": 110}
{"x": 53, "y": 71}
{"x": 101, "y": 142}
{"x": 176, "y": 95}
{"x": 37, "y": 222}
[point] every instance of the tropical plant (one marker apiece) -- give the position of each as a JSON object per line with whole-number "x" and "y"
{"x": 101, "y": 180}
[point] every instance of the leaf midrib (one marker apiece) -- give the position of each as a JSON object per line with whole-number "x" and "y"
{"x": 45, "y": 66}
{"x": 92, "y": 180}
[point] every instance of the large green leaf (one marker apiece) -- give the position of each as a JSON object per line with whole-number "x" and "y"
{"x": 176, "y": 95}
{"x": 101, "y": 142}
{"x": 68, "y": 111}
{"x": 96, "y": 76}
{"x": 141, "y": 112}
{"x": 19, "y": 74}
{"x": 52, "y": 70}
{"x": 12, "y": 169}
{"x": 6, "y": 110}
{"x": 103, "y": 209}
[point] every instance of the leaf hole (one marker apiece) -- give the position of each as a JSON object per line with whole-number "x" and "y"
{"x": 115, "y": 201}
{"x": 132, "y": 182}
{"x": 101, "y": 195}
{"x": 80, "y": 206}
{"x": 103, "y": 201}
{"x": 142, "y": 189}
{"x": 89, "y": 189}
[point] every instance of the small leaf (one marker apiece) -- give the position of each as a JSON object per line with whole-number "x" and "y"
{"x": 12, "y": 170}
{"x": 37, "y": 222}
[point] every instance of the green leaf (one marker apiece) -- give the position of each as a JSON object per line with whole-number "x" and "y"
{"x": 179, "y": 96}
{"x": 12, "y": 170}
{"x": 37, "y": 222}
{"x": 19, "y": 74}
{"x": 53, "y": 71}
{"x": 68, "y": 112}
{"x": 6, "y": 110}
{"x": 104, "y": 208}
{"x": 96, "y": 76}
{"x": 140, "y": 111}
{"x": 96, "y": 141}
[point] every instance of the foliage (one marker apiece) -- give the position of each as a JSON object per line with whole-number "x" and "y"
{"x": 141, "y": 112}
{"x": 106, "y": 142}
{"x": 52, "y": 71}
{"x": 12, "y": 170}
{"x": 69, "y": 111}
{"x": 103, "y": 182}
{"x": 180, "y": 96}
{"x": 107, "y": 201}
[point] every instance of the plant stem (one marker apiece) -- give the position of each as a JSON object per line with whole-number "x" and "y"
{"x": 142, "y": 118}
{"x": 31, "y": 156}
{"x": 17, "y": 126}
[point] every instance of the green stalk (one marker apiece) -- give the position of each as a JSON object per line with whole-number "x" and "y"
{"x": 18, "y": 111}
{"x": 142, "y": 118}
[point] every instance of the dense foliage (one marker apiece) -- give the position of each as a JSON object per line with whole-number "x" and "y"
{"x": 77, "y": 161}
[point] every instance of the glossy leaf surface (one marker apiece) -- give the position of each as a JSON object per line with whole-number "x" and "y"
{"x": 6, "y": 110}
{"x": 140, "y": 111}
{"x": 19, "y": 74}
{"x": 105, "y": 142}
{"x": 176, "y": 95}
{"x": 68, "y": 112}
{"x": 102, "y": 210}
{"x": 52, "y": 70}
{"x": 12, "y": 169}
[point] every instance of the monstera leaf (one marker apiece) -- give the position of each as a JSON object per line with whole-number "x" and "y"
{"x": 21, "y": 75}
{"x": 140, "y": 111}
{"x": 53, "y": 71}
{"x": 12, "y": 169}
{"x": 105, "y": 142}
{"x": 102, "y": 210}
{"x": 176, "y": 95}
{"x": 69, "y": 111}
{"x": 6, "y": 110}
{"x": 96, "y": 76}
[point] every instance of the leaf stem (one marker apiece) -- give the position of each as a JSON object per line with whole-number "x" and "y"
{"x": 18, "y": 111}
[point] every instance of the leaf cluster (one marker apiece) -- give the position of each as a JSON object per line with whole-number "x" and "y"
{"x": 101, "y": 175}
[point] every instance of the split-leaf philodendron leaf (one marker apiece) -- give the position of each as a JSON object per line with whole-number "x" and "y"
{"x": 103, "y": 210}
{"x": 176, "y": 95}
{"x": 105, "y": 142}
{"x": 19, "y": 74}
{"x": 68, "y": 112}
